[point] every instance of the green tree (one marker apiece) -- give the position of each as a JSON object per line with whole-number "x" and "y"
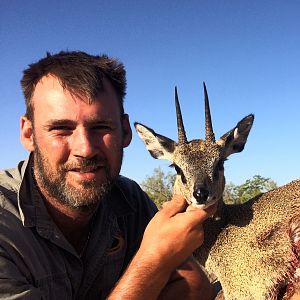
{"x": 252, "y": 187}
{"x": 159, "y": 186}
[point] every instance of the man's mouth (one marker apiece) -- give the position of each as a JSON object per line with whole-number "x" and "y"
{"x": 89, "y": 169}
{"x": 87, "y": 172}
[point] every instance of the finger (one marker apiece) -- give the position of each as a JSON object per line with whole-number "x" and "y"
{"x": 165, "y": 204}
{"x": 191, "y": 208}
{"x": 196, "y": 215}
{"x": 209, "y": 210}
{"x": 176, "y": 205}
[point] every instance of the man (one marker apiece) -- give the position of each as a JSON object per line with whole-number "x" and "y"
{"x": 70, "y": 226}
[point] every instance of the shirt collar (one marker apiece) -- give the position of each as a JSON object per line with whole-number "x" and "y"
{"x": 33, "y": 211}
{"x": 31, "y": 205}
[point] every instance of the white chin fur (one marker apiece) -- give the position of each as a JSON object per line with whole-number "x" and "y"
{"x": 203, "y": 206}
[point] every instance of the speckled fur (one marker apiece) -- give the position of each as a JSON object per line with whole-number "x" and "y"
{"x": 253, "y": 254}
{"x": 197, "y": 159}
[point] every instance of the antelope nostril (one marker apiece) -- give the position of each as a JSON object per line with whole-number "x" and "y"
{"x": 201, "y": 194}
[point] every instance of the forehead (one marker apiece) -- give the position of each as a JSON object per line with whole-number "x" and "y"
{"x": 51, "y": 100}
{"x": 197, "y": 152}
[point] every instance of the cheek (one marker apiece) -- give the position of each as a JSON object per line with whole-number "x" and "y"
{"x": 112, "y": 143}
{"x": 177, "y": 186}
{"x": 55, "y": 150}
{"x": 182, "y": 189}
{"x": 60, "y": 151}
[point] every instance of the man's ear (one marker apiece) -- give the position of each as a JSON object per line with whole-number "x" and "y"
{"x": 127, "y": 132}
{"x": 26, "y": 133}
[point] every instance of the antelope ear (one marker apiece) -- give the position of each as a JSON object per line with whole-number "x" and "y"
{"x": 234, "y": 140}
{"x": 159, "y": 146}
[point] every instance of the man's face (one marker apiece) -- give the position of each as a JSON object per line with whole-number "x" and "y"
{"x": 77, "y": 147}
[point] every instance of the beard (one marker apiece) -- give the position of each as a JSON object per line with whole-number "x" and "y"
{"x": 54, "y": 182}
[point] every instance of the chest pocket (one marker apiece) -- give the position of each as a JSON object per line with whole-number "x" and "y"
{"x": 111, "y": 269}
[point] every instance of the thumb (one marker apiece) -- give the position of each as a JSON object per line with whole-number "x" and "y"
{"x": 176, "y": 205}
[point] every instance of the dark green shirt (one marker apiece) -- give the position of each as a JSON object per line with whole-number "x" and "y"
{"x": 37, "y": 262}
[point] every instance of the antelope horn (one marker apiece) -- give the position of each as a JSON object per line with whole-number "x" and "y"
{"x": 209, "y": 133}
{"x": 181, "y": 132}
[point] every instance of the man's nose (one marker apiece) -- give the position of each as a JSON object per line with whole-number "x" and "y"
{"x": 84, "y": 144}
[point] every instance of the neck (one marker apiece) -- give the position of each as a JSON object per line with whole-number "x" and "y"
{"x": 73, "y": 223}
{"x": 212, "y": 227}
{"x": 68, "y": 218}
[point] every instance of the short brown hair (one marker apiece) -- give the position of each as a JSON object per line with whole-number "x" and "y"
{"x": 80, "y": 73}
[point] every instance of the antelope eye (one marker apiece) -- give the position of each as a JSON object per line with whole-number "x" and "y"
{"x": 180, "y": 173}
{"x": 219, "y": 167}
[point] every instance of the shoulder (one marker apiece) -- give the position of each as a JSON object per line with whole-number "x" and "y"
{"x": 131, "y": 202}
{"x": 10, "y": 181}
{"x": 135, "y": 196}
{"x": 135, "y": 209}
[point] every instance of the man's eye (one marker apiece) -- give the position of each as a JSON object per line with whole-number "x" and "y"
{"x": 102, "y": 127}
{"x": 61, "y": 130}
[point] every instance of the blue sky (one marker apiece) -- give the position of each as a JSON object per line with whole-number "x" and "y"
{"x": 247, "y": 52}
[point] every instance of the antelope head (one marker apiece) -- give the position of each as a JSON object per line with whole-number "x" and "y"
{"x": 199, "y": 163}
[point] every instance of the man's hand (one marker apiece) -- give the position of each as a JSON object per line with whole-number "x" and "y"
{"x": 174, "y": 233}
{"x": 169, "y": 239}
